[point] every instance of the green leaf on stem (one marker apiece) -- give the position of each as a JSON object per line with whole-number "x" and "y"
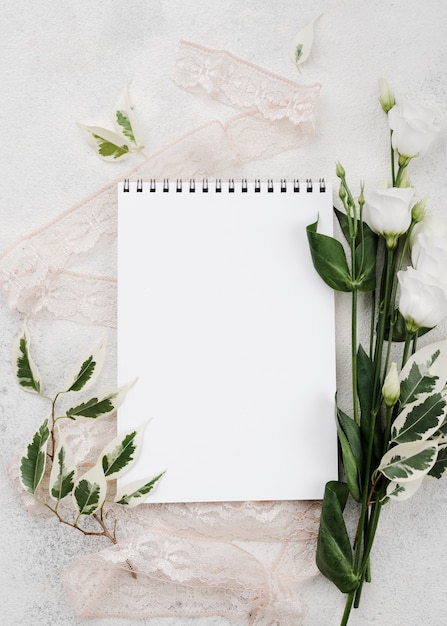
{"x": 409, "y": 461}
{"x": 90, "y": 491}
{"x": 365, "y": 386}
{"x": 424, "y": 372}
{"x": 419, "y": 420}
{"x": 366, "y": 255}
{"x": 403, "y": 491}
{"x": 32, "y": 464}
{"x": 98, "y": 407}
{"x": 131, "y": 495}
{"x": 86, "y": 372}
{"x": 352, "y": 454}
{"x": 121, "y": 453}
{"x": 26, "y": 370}
{"x": 63, "y": 471}
{"x": 329, "y": 259}
{"x": 334, "y": 552}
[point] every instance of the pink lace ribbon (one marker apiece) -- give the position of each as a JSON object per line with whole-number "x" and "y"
{"x": 36, "y": 273}
{"x": 187, "y": 560}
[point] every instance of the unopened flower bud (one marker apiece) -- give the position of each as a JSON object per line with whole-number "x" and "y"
{"x": 418, "y": 211}
{"x": 386, "y": 98}
{"x": 391, "y": 386}
{"x": 340, "y": 170}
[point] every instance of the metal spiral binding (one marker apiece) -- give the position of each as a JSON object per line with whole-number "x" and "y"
{"x": 231, "y": 188}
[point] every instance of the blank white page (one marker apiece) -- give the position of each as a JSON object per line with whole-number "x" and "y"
{"x": 230, "y": 332}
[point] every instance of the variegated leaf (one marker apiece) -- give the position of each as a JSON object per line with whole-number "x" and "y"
{"x": 63, "y": 470}
{"x": 424, "y": 372}
{"x": 32, "y": 464}
{"x": 107, "y": 144}
{"x": 99, "y": 407}
{"x": 125, "y": 120}
{"x": 420, "y": 420}
{"x": 90, "y": 490}
{"x": 133, "y": 493}
{"x": 302, "y": 43}
{"x": 25, "y": 369}
{"x": 403, "y": 491}
{"x": 86, "y": 372}
{"x": 120, "y": 454}
{"x": 440, "y": 466}
{"x": 409, "y": 461}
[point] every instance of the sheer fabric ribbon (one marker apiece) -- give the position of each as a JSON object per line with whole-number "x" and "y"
{"x": 191, "y": 559}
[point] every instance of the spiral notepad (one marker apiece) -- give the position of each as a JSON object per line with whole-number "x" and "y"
{"x": 230, "y": 332}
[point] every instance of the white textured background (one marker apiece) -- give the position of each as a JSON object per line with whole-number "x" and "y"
{"x": 61, "y": 62}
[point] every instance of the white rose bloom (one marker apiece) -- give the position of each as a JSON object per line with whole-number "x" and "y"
{"x": 431, "y": 226}
{"x": 388, "y": 212}
{"x": 413, "y": 129}
{"x": 429, "y": 255}
{"x": 422, "y": 301}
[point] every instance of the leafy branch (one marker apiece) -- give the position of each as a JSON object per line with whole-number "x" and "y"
{"x": 49, "y": 449}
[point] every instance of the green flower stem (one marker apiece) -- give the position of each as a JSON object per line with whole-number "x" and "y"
{"x": 408, "y": 339}
{"x": 348, "y": 607}
{"x": 393, "y": 161}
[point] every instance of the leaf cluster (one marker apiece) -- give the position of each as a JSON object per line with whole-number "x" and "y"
{"x": 88, "y": 489}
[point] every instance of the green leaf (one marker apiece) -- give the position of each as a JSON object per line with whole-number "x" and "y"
{"x": 424, "y": 372}
{"x": 409, "y": 461}
{"x": 123, "y": 121}
{"x": 120, "y": 454}
{"x": 92, "y": 408}
{"x": 329, "y": 259}
{"x": 26, "y": 371}
{"x": 419, "y": 421}
{"x": 131, "y": 495}
{"x": 365, "y": 386}
{"x": 352, "y": 453}
{"x": 334, "y": 552}
{"x": 90, "y": 491}
{"x": 32, "y": 464}
{"x": 440, "y": 466}
{"x": 96, "y": 407}
{"x": 63, "y": 471}
{"x": 86, "y": 372}
{"x": 366, "y": 256}
{"x": 110, "y": 148}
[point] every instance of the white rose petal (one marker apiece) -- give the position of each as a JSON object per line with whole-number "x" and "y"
{"x": 422, "y": 301}
{"x": 429, "y": 255}
{"x": 388, "y": 212}
{"x": 413, "y": 128}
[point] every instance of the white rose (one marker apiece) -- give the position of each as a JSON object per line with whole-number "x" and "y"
{"x": 422, "y": 300}
{"x": 431, "y": 226}
{"x": 388, "y": 212}
{"x": 429, "y": 255}
{"x": 413, "y": 129}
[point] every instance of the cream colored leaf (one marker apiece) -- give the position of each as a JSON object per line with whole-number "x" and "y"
{"x": 302, "y": 43}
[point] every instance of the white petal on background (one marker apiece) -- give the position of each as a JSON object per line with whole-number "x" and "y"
{"x": 302, "y": 43}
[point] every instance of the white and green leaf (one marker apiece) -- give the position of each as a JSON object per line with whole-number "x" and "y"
{"x": 99, "y": 407}
{"x": 302, "y": 43}
{"x": 107, "y": 144}
{"x": 409, "y": 461}
{"x": 420, "y": 420}
{"x": 90, "y": 491}
{"x": 86, "y": 372}
{"x": 132, "y": 494}
{"x": 439, "y": 468}
{"x": 25, "y": 369}
{"x": 125, "y": 120}
{"x": 121, "y": 453}
{"x": 403, "y": 491}
{"x": 424, "y": 372}
{"x": 62, "y": 474}
{"x": 33, "y": 462}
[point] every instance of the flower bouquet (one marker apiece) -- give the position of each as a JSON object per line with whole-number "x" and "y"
{"x": 394, "y": 434}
